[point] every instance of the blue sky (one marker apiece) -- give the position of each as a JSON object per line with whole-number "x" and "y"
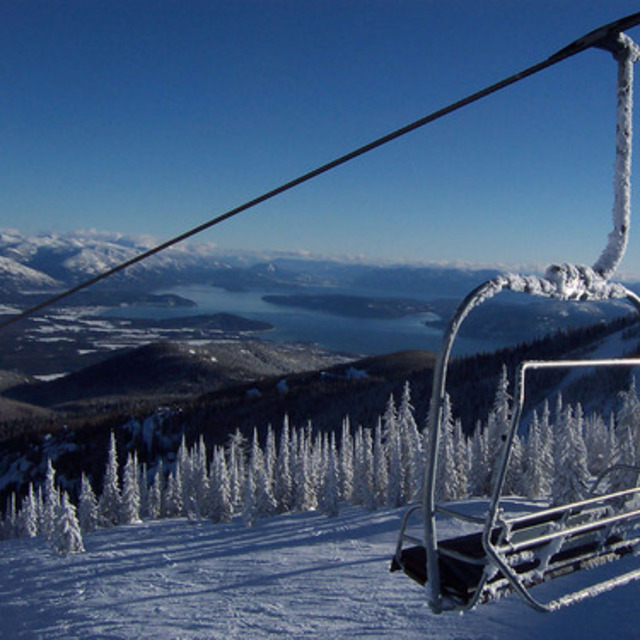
{"x": 151, "y": 117}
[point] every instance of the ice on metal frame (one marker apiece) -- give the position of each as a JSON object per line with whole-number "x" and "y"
{"x": 617, "y": 242}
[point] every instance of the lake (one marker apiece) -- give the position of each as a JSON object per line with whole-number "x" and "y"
{"x": 337, "y": 333}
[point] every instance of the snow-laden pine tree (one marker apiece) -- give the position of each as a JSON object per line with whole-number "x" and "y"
{"x": 236, "y": 466}
{"x": 596, "y": 439}
{"x": 346, "y": 461}
{"x": 156, "y": 493}
{"x": 534, "y": 485}
{"x": 412, "y": 447}
{"x": 67, "y": 537}
{"x": 221, "y": 507}
{"x": 359, "y": 480}
{"x": 40, "y": 507}
{"x": 570, "y": 481}
{"x": 546, "y": 457}
{"x": 183, "y": 481}
{"x": 461, "y": 461}
{"x": 394, "y": 446}
{"x": 27, "y": 522}
{"x": 380, "y": 469}
{"x": 628, "y": 435}
{"x": 306, "y": 498}
{"x": 130, "y": 505}
{"x": 330, "y": 496}
{"x": 396, "y": 455}
{"x": 283, "y": 482}
{"x": 143, "y": 485}
{"x": 173, "y": 505}
{"x": 200, "y": 480}
{"x": 514, "y": 483}
{"x": 87, "y": 507}
{"x": 479, "y": 464}
{"x": 368, "y": 471}
{"x": 270, "y": 461}
{"x": 109, "y": 503}
{"x": 265, "y": 503}
{"x": 249, "y": 510}
{"x": 318, "y": 460}
{"x": 498, "y": 424}
{"x": 446, "y": 481}
{"x": 51, "y": 501}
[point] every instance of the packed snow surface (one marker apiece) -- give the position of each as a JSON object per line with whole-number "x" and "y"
{"x": 293, "y": 576}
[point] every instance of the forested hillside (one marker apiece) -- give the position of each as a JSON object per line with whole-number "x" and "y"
{"x": 333, "y": 410}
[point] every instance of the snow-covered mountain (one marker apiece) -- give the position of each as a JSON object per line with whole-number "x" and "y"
{"x": 64, "y": 259}
{"x": 73, "y": 257}
{"x": 15, "y": 276}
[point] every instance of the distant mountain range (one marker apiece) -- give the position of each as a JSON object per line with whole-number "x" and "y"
{"x": 49, "y": 261}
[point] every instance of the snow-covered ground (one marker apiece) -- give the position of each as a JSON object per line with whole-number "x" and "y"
{"x": 293, "y": 576}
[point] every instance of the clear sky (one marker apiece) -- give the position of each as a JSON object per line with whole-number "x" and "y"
{"x": 154, "y": 116}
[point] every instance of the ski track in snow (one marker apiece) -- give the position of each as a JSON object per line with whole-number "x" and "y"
{"x": 294, "y": 576}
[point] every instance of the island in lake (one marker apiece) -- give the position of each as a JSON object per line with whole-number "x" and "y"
{"x": 355, "y": 306}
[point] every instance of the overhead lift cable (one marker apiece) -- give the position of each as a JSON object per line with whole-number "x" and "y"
{"x": 603, "y": 37}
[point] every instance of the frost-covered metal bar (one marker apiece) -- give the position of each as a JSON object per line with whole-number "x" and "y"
{"x": 612, "y": 254}
{"x": 544, "y": 513}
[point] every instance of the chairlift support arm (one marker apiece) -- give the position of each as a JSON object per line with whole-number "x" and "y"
{"x": 566, "y": 282}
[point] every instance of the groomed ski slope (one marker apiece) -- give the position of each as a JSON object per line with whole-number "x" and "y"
{"x": 293, "y": 576}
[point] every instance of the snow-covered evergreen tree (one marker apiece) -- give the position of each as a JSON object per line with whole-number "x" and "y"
{"x": 67, "y": 537}
{"x": 346, "y": 461}
{"x": 571, "y": 476}
{"x": 109, "y": 503}
{"x": 412, "y": 448}
{"x": 514, "y": 483}
{"x": 249, "y": 510}
{"x": 546, "y": 458}
{"x": 130, "y": 506}
{"x": 155, "y": 494}
{"x": 479, "y": 479}
{"x": 283, "y": 482}
{"x": 359, "y": 478}
{"x": 394, "y": 445}
{"x": 596, "y": 439}
{"x": 183, "y": 483}
{"x": 222, "y": 509}
{"x": 330, "y": 490}
{"x": 236, "y": 466}
{"x": 51, "y": 501}
{"x": 40, "y": 507}
{"x": 265, "y": 502}
{"x": 317, "y": 460}
{"x": 461, "y": 461}
{"x": 27, "y": 522}
{"x": 380, "y": 468}
{"x": 270, "y": 462}
{"x": 628, "y": 435}
{"x": 446, "y": 480}
{"x": 143, "y": 485}
{"x": 306, "y": 498}
{"x": 498, "y": 424}
{"x": 533, "y": 486}
{"x": 173, "y": 505}
{"x": 87, "y": 507}
{"x": 369, "y": 499}
{"x": 200, "y": 480}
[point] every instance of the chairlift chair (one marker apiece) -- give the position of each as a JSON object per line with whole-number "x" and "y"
{"x": 514, "y": 553}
